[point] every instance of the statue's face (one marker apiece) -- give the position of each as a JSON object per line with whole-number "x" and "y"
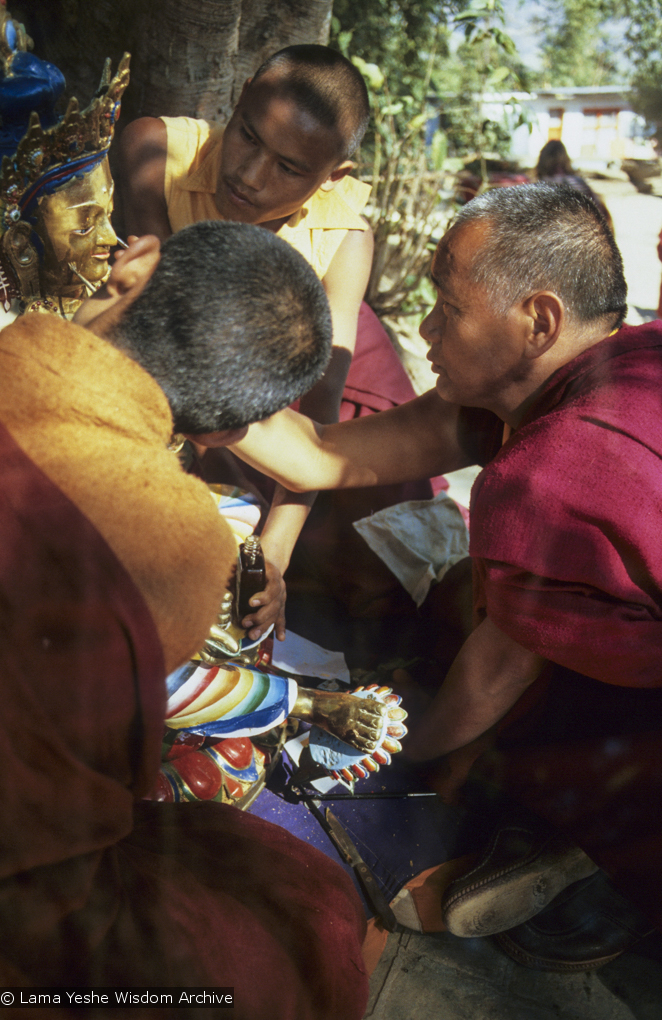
{"x": 74, "y": 226}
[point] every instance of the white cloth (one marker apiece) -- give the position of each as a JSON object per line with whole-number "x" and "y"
{"x": 418, "y": 540}
{"x": 298, "y": 655}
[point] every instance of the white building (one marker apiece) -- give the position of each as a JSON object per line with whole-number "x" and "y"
{"x": 597, "y": 125}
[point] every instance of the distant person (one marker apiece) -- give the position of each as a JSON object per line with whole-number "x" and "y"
{"x": 555, "y": 167}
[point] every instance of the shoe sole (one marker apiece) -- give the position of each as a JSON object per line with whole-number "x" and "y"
{"x": 513, "y": 895}
{"x": 521, "y": 956}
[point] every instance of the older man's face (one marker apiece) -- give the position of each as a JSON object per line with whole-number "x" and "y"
{"x": 476, "y": 352}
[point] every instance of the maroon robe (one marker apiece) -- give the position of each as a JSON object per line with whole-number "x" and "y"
{"x": 96, "y": 885}
{"x": 566, "y": 533}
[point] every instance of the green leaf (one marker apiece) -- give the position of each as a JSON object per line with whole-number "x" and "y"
{"x": 391, "y": 109}
{"x": 416, "y": 123}
{"x": 438, "y": 149}
{"x": 344, "y": 39}
{"x": 371, "y": 72}
{"x": 498, "y": 75}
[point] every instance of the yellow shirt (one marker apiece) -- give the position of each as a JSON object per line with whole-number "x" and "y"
{"x": 192, "y": 167}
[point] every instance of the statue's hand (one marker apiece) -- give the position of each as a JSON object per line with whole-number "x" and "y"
{"x": 269, "y": 607}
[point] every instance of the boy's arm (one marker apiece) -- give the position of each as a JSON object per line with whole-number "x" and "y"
{"x": 141, "y": 158}
{"x": 287, "y": 517}
{"x": 345, "y": 284}
{"x": 420, "y": 439}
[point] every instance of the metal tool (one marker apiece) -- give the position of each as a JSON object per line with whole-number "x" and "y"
{"x": 378, "y": 795}
{"x": 89, "y": 287}
{"x": 350, "y": 854}
{"x": 367, "y": 880}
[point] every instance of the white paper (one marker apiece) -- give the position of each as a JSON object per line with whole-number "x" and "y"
{"x": 418, "y": 540}
{"x": 298, "y": 655}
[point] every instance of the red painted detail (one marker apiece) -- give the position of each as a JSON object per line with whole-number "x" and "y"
{"x": 237, "y": 751}
{"x": 162, "y": 790}
{"x": 200, "y": 773}
{"x": 184, "y": 745}
{"x": 235, "y": 789}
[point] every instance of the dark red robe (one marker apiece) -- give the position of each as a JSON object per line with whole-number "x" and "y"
{"x": 566, "y": 536}
{"x": 98, "y": 887}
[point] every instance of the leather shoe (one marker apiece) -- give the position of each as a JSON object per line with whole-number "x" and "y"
{"x": 586, "y": 926}
{"x": 527, "y": 864}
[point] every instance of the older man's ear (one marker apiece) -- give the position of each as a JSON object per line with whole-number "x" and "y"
{"x": 546, "y": 315}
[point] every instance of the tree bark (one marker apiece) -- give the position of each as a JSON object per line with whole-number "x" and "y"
{"x": 189, "y": 57}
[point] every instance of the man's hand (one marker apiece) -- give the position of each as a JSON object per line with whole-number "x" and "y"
{"x": 269, "y": 607}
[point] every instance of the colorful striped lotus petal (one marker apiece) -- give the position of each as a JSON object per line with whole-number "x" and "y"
{"x": 342, "y": 760}
{"x": 227, "y": 700}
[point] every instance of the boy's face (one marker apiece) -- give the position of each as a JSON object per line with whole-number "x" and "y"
{"x": 275, "y": 156}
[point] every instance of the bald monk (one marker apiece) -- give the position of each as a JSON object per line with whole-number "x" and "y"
{"x": 538, "y": 380}
{"x": 284, "y": 162}
{"x": 112, "y": 569}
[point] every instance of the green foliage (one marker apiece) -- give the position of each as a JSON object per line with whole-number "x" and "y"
{"x": 396, "y": 35}
{"x": 645, "y": 51}
{"x": 577, "y": 49}
{"x": 403, "y": 49}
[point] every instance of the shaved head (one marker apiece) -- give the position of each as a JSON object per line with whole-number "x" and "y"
{"x": 325, "y": 84}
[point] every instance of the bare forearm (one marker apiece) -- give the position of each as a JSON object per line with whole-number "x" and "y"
{"x": 322, "y": 403}
{"x": 419, "y": 439}
{"x": 488, "y": 676}
{"x": 287, "y": 516}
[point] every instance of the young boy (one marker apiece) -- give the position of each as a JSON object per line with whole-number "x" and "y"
{"x": 282, "y": 162}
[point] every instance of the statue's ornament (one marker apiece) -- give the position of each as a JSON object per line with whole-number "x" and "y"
{"x": 55, "y": 186}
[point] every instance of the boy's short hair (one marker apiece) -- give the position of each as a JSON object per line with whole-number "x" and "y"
{"x": 326, "y": 85}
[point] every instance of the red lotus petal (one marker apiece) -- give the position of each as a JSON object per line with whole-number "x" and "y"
{"x": 237, "y": 751}
{"x": 200, "y": 773}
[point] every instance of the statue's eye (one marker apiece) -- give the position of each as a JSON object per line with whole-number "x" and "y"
{"x": 84, "y": 230}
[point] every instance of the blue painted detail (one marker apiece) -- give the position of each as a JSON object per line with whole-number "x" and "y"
{"x": 256, "y": 722}
{"x": 180, "y": 676}
{"x": 32, "y": 84}
{"x": 247, "y": 775}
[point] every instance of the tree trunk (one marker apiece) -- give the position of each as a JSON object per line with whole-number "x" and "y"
{"x": 189, "y": 57}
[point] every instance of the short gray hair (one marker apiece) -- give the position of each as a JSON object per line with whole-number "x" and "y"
{"x": 548, "y": 237}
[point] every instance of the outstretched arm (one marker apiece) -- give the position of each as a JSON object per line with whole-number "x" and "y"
{"x": 422, "y": 438}
{"x": 142, "y": 151}
{"x": 489, "y": 674}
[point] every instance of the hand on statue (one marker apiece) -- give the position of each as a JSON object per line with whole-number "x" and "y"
{"x": 269, "y": 607}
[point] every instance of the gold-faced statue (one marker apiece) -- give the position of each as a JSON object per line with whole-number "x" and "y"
{"x": 74, "y": 227}
{"x": 56, "y": 200}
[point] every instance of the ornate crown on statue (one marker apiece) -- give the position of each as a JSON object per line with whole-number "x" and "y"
{"x": 46, "y": 157}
